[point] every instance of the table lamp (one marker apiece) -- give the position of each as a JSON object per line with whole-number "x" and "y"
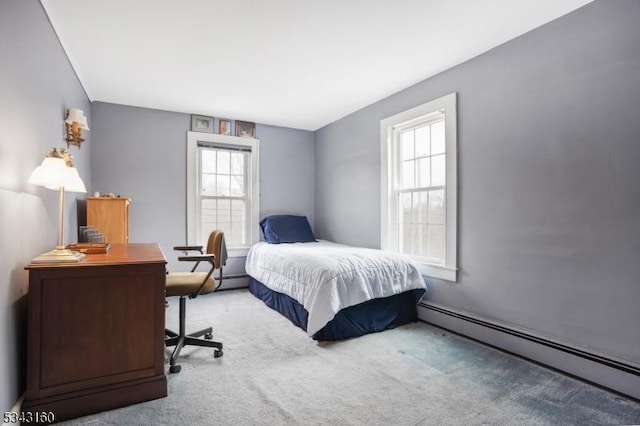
{"x": 58, "y": 173}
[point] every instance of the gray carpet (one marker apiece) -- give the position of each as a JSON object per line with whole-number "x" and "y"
{"x": 273, "y": 374}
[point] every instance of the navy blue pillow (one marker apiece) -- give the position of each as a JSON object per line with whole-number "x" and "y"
{"x": 286, "y": 229}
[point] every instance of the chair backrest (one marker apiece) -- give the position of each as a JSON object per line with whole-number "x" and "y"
{"x": 216, "y": 246}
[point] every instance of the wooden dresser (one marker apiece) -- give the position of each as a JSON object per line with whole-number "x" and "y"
{"x": 110, "y": 216}
{"x": 96, "y": 332}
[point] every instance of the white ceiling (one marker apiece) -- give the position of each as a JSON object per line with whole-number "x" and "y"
{"x": 292, "y": 63}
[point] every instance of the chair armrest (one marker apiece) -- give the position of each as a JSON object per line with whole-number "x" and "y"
{"x": 188, "y": 248}
{"x": 197, "y": 258}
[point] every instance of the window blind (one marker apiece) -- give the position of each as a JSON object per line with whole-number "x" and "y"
{"x": 226, "y": 147}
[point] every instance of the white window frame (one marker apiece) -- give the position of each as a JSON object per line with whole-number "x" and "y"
{"x": 193, "y": 182}
{"x": 390, "y": 181}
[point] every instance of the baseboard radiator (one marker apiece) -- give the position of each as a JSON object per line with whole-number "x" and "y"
{"x": 233, "y": 281}
{"x": 617, "y": 375}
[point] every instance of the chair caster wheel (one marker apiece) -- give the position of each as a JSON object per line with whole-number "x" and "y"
{"x": 175, "y": 369}
{"x": 208, "y": 336}
{"x": 218, "y": 353}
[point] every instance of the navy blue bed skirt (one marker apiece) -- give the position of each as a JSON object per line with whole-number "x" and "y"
{"x": 367, "y": 317}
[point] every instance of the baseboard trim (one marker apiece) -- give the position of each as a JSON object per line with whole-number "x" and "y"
{"x": 232, "y": 276}
{"x": 233, "y": 281}
{"x": 602, "y": 370}
{"x": 16, "y": 407}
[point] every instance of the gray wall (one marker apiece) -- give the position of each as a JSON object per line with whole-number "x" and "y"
{"x": 549, "y": 202}
{"x": 141, "y": 153}
{"x": 37, "y": 84}
{"x": 549, "y": 138}
{"x": 286, "y": 171}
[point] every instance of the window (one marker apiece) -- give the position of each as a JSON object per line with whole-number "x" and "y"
{"x": 222, "y": 190}
{"x": 419, "y": 177}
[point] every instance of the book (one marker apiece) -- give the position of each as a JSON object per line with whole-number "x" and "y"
{"x": 90, "y": 248}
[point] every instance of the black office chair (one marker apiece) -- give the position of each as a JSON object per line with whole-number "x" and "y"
{"x": 192, "y": 284}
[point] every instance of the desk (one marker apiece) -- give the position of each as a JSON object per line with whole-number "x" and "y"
{"x": 96, "y": 332}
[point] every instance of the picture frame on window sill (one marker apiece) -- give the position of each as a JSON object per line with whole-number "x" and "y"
{"x": 245, "y": 129}
{"x": 224, "y": 127}
{"x": 201, "y": 123}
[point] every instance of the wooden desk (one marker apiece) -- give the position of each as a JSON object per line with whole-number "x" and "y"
{"x": 96, "y": 332}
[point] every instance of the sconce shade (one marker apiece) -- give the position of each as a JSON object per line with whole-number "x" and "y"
{"x": 76, "y": 115}
{"x": 75, "y": 123}
{"x": 83, "y": 123}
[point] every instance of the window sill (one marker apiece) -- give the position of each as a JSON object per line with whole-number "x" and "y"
{"x": 438, "y": 271}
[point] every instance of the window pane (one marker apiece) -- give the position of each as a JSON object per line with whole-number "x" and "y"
{"x": 422, "y": 141}
{"x": 209, "y": 211}
{"x": 438, "y": 176}
{"x": 208, "y": 184}
{"x": 237, "y": 186}
{"x": 224, "y": 210}
{"x": 405, "y": 208}
{"x": 208, "y": 218}
{"x": 436, "y": 207}
{"x": 226, "y": 228}
{"x": 437, "y": 138}
{"x": 408, "y": 179}
{"x": 208, "y": 161}
{"x": 237, "y": 163}
{"x": 236, "y": 237}
{"x": 224, "y": 162}
{"x": 204, "y": 233}
{"x": 415, "y": 208}
{"x": 222, "y": 186}
{"x": 423, "y": 207}
{"x": 237, "y": 211}
{"x": 436, "y": 242}
{"x": 406, "y": 243}
{"x": 421, "y": 241}
{"x": 406, "y": 145}
{"x": 424, "y": 172}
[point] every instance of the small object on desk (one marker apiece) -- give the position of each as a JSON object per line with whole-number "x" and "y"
{"x": 90, "y": 248}
{"x": 89, "y": 234}
{"x": 96, "y": 238}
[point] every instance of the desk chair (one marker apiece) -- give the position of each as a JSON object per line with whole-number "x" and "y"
{"x": 192, "y": 284}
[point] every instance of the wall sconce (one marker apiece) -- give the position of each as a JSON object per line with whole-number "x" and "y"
{"x": 74, "y": 123}
{"x": 58, "y": 173}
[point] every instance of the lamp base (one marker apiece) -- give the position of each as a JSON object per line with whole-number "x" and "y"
{"x": 59, "y": 255}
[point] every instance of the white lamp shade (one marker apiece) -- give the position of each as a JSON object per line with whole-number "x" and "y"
{"x": 52, "y": 172}
{"x": 71, "y": 183}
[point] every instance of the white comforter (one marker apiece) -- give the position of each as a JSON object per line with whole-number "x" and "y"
{"x": 326, "y": 277}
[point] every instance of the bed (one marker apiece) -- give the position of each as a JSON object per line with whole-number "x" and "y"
{"x": 332, "y": 291}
